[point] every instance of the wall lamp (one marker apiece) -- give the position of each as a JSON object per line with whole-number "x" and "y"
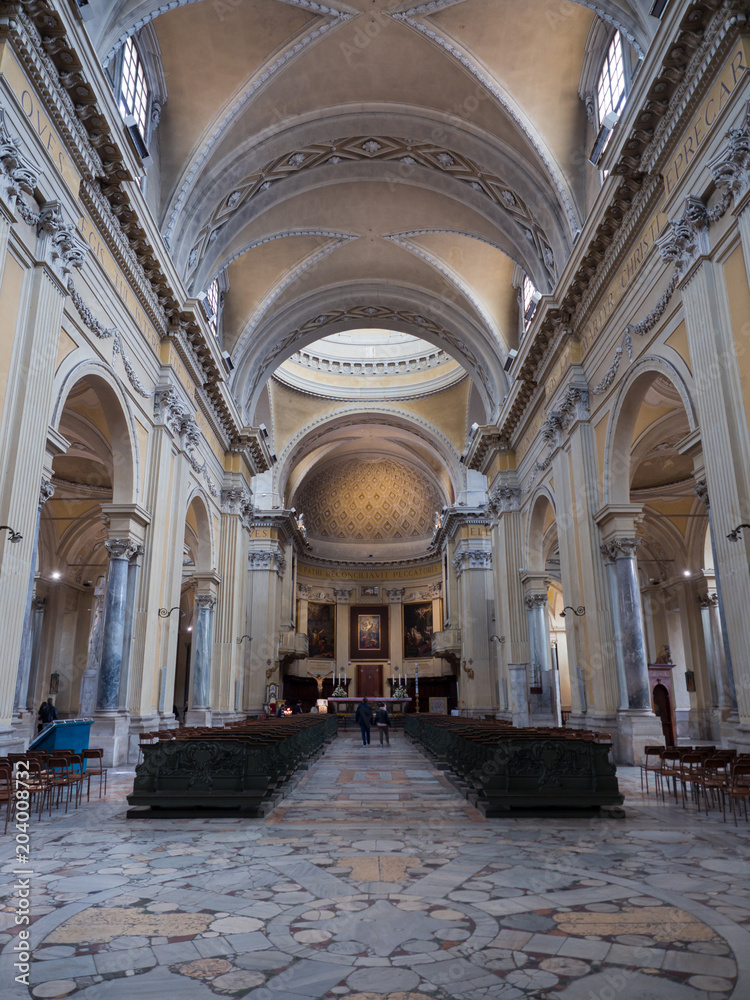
{"x": 576, "y": 611}
{"x": 500, "y": 638}
{"x": 163, "y": 613}
{"x": 733, "y": 536}
{"x": 13, "y": 536}
{"x": 240, "y": 638}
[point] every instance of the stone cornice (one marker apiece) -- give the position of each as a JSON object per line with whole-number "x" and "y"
{"x": 452, "y": 518}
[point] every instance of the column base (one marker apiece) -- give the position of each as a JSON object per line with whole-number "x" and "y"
{"x": 198, "y": 717}
{"x": 110, "y": 732}
{"x": 140, "y": 724}
{"x": 635, "y": 729}
{"x": 224, "y": 718}
{"x": 736, "y": 734}
{"x": 12, "y": 739}
{"x": 24, "y": 725}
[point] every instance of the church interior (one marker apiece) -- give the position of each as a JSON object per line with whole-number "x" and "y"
{"x": 376, "y": 350}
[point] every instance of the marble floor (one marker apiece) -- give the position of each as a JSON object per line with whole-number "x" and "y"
{"x": 375, "y": 880}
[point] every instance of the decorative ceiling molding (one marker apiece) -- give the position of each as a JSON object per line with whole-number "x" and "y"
{"x": 289, "y": 278}
{"x": 355, "y": 414}
{"x": 327, "y": 233}
{"x": 258, "y": 81}
{"x": 163, "y": 8}
{"x": 459, "y": 283}
{"x": 369, "y": 316}
{"x": 406, "y": 153}
{"x": 435, "y": 6}
{"x": 512, "y": 109}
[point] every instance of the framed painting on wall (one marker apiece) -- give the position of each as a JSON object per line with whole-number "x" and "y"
{"x": 321, "y": 630}
{"x": 417, "y": 630}
{"x": 368, "y": 632}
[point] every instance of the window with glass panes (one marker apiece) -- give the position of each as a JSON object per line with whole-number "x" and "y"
{"x": 212, "y": 301}
{"x": 133, "y": 87}
{"x": 527, "y": 297}
{"x": 610, "y": 89}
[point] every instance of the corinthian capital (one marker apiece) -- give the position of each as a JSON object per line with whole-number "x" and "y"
{"x": 686, "y": 238}
{"x": 619, "y": 548}
{"x": 730, "y": 168}
{"x": 121, "y": 548}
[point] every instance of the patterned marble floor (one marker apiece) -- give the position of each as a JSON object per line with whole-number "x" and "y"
{"x": 374, "y": 880}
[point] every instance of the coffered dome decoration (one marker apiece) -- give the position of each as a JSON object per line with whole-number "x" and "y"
{"x": 369, "y": 499}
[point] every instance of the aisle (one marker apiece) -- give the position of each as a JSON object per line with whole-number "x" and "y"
{"x": 355, "y": 785}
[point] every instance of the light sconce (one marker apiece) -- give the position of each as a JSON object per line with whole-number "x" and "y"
{"x": 240, "y": 639}
{"x": 733, "y": 536}
{"x": 163, "y": 613}
{"x": 13, "y": 536}
{"x": 500, "y": 638}
{"x": 576, "y": 611}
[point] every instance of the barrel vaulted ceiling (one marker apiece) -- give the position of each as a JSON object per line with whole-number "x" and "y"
{"x": 369, "y": 163}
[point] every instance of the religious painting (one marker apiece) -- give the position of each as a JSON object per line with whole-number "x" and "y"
{"x": 54, "y": 683}
{"x": 368, "y": 632}
{"x": 321, "y": 630}
{"x": 417, "y": 630}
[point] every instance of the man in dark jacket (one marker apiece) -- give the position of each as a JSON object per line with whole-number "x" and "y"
{"x": 47, "y": 713}
{"x": 383, "y": 722}
{"x": 363, "y": 716}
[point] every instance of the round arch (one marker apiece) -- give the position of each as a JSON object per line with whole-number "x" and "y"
{"x": 126, "y": 482}
{"x": 205, "y": 555}
{"x": 623, "y": 417}
{"x": 542, "y": 502}
{"x": 345, "y": 415}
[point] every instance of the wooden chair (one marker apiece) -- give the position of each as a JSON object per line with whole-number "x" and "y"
{"x": 739, "y": 787}
{"x": 94, "y": 766}
{"x": 651, "y": 763}
{"x": 691, "y": 772}
{"x": 7, "y": 791}
{"x": 715, "y": 780}
{"x": 670, "y": 768}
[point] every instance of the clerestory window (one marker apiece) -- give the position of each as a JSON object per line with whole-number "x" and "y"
{"x": 212, "y": 305}
{"x": 134, "y": 92}
{"x": 611, "y": 87}
{"x": 529, "y": 299}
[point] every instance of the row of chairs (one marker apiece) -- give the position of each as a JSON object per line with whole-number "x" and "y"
{"x": 54, "y": 778}
{"x": 715, "y": 777}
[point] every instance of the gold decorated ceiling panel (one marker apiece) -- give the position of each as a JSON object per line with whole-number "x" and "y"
{"x": 368, "y": 498}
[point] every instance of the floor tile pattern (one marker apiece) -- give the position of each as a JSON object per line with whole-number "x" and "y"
{"x": 375, "y": 880}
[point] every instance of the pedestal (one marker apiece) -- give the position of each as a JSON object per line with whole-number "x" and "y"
{"x": 110, "y": 732}
{"x": 519, "y": 694}
{"x": 24, "y": 727}
{"x": 635, "y": 730}
{"x": 198, "y": 717}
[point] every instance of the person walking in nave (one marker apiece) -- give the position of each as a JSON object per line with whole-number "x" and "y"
{"x": 364, "y": 716}
{"x": 383, "y": 722}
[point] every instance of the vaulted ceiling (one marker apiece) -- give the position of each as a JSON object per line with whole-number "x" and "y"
{"x": 369, "y": 163}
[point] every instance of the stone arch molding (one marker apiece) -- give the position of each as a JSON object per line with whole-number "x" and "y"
{"x": 622, "y": 421}
{"x": 126, "y": 486}
{"x": 203, "y": 504}
{"x": 357, "y": 413}
{"x": 408, "y": 310}
{"x": 535, "y": 527}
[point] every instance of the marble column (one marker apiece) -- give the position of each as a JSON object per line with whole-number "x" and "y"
{"x": 24, "y": 660}
{"x": 629, "y": 626}
{"x": 115, "y": 613}
{"x": 93, "y": 659}
{"x": 127, "y": 643}
{"x": 38, "y": 608}
{"x": 203, "y": 634}
{"x": 719, "y": 691}
{"x": 545, "y": 710}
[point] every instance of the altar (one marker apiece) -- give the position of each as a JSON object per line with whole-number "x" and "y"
{"x": 390, "y": 702}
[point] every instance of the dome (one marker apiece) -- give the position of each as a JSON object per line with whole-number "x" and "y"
{"x": 369, "y": 499}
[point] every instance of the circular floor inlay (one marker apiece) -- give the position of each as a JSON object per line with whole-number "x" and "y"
{"x": 54, "y": 988}
{"x": 380, "y": 981}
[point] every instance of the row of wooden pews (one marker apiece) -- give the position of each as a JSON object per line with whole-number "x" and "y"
{"x": 238, "y": 771}
{"x": 523, "y": 771}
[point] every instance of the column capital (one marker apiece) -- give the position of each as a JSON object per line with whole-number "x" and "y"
{"x": 619, "y": 548}
{"x": 46, "y": 492}
{"x": 537, "y": 600}
{"x": 466, "y": 559}
{"x": 686, "y": 238}
{"x": 205, "y": 601}
{"x": 342, "y": 595}
{"x": 730, "y": 168}
{"x": 395, "y": 594}
{"x": 59, "y": 242}
{"x": 121, "y": 548}
{"x": 701, "y": 491}
{"x": 259, "y": 559}
{"x": 17, "y": 173}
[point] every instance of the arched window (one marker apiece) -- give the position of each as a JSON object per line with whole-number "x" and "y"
{"x": 612, "y": 85}
{"x": 134, "y": 91}
{"x": 211, "y": 304}
{"x": 529, "y": 298}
